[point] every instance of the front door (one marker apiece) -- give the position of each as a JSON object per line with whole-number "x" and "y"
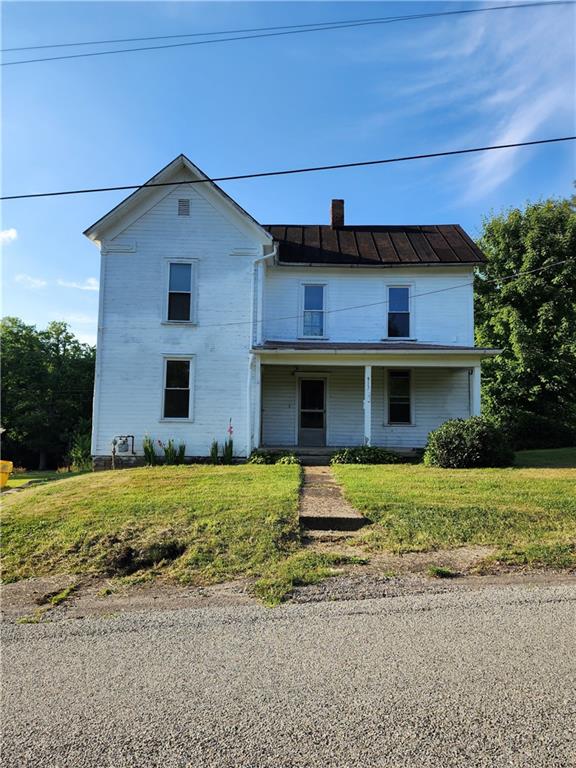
{"x": 312, "y": 416}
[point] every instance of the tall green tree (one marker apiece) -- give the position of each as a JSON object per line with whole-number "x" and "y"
{"x": 531, "y": 317}
{"x": 47, "y": 382}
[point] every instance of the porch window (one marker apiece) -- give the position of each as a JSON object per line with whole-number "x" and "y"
{"x": 180, "y": 292}
{"x": 399, "y": 404}
{"x": 177, "y": 389}
{"x": 313, "y": 316}
{"x": 399, "y": 312}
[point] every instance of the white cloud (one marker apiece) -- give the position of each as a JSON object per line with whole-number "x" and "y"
{"x": 90, "y": 284}
{"x": 80, "y": 318}
{"x": 483, "y": 80}
{"x": 87, "y": 338}
{"x": 30, "y": 282}
{"x": 8, "y": 235}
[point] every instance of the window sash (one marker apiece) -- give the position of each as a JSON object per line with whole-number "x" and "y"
{"x": 176, "y": 401}
{"x": 398, "y": 311}
{"x": 313, "y": 311}
{"x": 399, "y": 397}
{"x": 180, "y": 277}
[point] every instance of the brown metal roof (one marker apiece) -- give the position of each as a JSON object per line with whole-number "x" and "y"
{"x": 374, "y": 246}
{"x": 401, "y": 346}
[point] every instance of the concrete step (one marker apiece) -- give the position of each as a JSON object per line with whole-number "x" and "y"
{"x": 314, "y": 460}
{"x": 332, "y": 523}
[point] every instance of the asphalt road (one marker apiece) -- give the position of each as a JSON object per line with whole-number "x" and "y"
{"x": 485, "y": 678}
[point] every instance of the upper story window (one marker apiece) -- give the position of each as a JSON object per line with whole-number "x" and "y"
{"x": 180, "y": 291}
{"x": 313, "y": 316}
{"x": 399, "y": 311}
{"x": 399, "y": 397}
{"x": 177, "y": 399}
{"x": 183, "y": 207}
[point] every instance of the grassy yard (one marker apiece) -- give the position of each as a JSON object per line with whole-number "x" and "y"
{"x": 529, "y": 514}
{"x": 18, "y": 479}
{"x": 196, "y": 524}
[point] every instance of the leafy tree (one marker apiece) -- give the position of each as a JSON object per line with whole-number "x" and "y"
{"x": 47, "y": 382}
{"x": 532, "y": 317}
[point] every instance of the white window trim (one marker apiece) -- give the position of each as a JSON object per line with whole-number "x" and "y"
{"x": 324, "y": 311}
{"x": 191, "y": 386}
{"x": 412, "y": 317}
{"x": 193, "y": 290}
{"x": 399, "y": 424}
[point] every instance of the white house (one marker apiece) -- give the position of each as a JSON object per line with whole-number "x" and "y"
{"x": 310, "y": 336}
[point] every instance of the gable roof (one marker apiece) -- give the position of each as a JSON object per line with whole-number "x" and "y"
{"x": 318, "y": 244}
{"x": 165, "y": 177}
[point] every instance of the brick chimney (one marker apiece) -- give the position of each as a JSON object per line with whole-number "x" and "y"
{"x": 337, "y": 214}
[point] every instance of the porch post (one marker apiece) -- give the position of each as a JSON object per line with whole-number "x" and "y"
{"x": 367, "y": 405}
{"x": 475, "y": 399}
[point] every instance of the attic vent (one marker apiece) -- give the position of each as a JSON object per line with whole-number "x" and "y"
{"x": 183, "y": 207}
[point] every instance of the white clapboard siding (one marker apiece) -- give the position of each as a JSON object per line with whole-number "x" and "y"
{"x": 441, "y": 316}
{"x": 438, "y": 394}
{"x": 134, "y": 340}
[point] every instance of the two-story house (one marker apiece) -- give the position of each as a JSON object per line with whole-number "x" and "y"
{"x": 303, "y": 335}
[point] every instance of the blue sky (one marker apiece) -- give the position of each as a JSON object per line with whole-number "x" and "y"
{"x": 336, "y": 96}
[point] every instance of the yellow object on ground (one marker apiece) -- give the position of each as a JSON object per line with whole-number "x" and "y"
{"x": 5, "y": 468}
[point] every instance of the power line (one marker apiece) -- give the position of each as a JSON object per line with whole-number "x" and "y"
{"x": 286, "y": 30}
{"x": 385, "y": 302}
{"x": 291, "y": 171}
{"x": 318, "y": 24}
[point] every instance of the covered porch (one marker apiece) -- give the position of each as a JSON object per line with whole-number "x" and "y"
{"x": 316, "y": 400}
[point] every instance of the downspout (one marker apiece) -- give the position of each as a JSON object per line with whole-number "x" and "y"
{"x": 256, "y": 324}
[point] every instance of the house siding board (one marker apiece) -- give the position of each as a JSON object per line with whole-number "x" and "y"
{"x": 439, "y": 317}
{"x": 134, "y": 341}
{"x": 438, "y": 394}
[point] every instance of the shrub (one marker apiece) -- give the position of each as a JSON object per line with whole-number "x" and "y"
{"x": 466, "y": 443}
{"x": 228, "y": 451}
{"x": 173, "y": 455}
{"x": 364, "y": 455}
{"x": 214, "y": 450}
{"x": 260, "y": 456}
{"x": 150, "y": 456}
{"x": 288, "y": 458}
{"x": 80, "y": 452}
{"x": 526, "y": 431}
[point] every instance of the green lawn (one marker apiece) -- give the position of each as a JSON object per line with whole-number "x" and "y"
{"x": 196, "y": 524}
{"x": 17, "y": 479}
{"x": 528, "y": 514}
{"x": 551, "y": 457}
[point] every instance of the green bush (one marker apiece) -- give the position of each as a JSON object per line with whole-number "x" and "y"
{"x": 173, "y": 455}
{"x": 150, "y": 456}
{"x": 364, "y": 455}
{"x": 526, "y": 431}
{"x": 214, "y": 449}
{"x": 260, "y": 456}
{"x": 81, "y": 452}
{"x": 288, "y": 458}
{"x": 466, "y": 443}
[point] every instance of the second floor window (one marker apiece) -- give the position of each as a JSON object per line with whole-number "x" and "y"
{"x": 180, "y": 292}
{"x": 313, "y": 320}
{"x": 399, "y": 312}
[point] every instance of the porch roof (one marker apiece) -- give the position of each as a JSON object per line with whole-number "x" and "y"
{"x": 353, "y": 347}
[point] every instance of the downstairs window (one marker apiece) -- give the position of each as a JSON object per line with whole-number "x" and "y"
{"x": 177, "y": 389}
{"x": 399, "y": 400}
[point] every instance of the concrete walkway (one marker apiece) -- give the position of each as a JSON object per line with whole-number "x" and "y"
{"x": 322, "y": 505}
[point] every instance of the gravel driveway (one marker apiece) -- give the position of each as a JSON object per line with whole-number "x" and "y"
{"x": 464, "y": 679}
